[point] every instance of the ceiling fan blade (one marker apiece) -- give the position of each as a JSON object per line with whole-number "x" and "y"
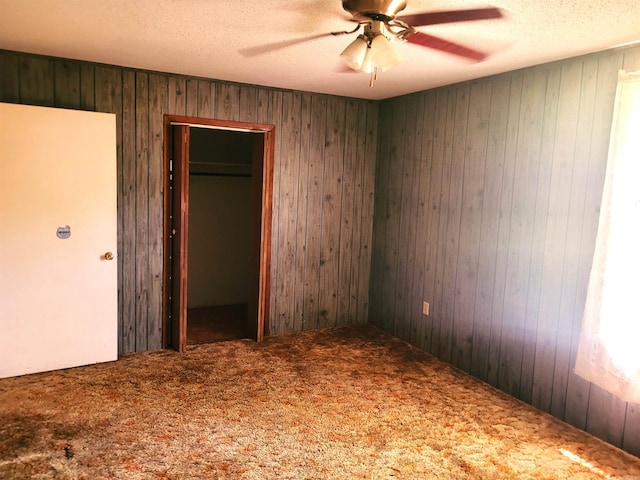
{"x": 270, "y": 47}
{"x": 426, "y": 40}
{"x": 451, "y": 16}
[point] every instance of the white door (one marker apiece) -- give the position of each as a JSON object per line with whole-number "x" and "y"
{"x": 58, "y": 284}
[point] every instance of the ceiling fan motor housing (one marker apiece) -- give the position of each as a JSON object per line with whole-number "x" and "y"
{"x": 382, "y": 10}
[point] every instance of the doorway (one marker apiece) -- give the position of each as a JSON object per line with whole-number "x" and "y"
{"x": 218, "y": 196}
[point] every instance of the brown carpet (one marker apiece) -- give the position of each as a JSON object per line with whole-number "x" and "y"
{"x": 215, "y": 324}
{"x": 345, "y": 403}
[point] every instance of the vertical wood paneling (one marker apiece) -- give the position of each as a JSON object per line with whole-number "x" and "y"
{"x": 158, "y": 106}
{"x": 325, "y": 159}
{"x": 606, "y": 416}
{"x": 228, "y": 101}
{"x": 516, "y": 165}
{"x": 631, "y": 441}
{"x": 87, "y": 87}
{"x": 503, "y": 223}
{"x": 108, "y": 98}
{"x": 525, "y": 160}
{"x": 127, "y": 210}
{"x": 141, "y": 182}
{"x": 177, "y": 96}
{"x": 422, "y": 188}
{"x": 484, "y": 325}
{"x": 345, "y": 227}
{"x": 299, "y": 312}
{"x": 206, "y": 98}
{"x": 315, "y": 182}
{"x": 378, "y": 275}
{"x": 249, "y": 105}
{"x": 367, "y": 212}
{"x": 445, "y": 118}
{"x": 549, "y": 323}
{"x": 415, "y": 262}
{"x": 423, "y": 161}
{"x": 508, "y": 298}
{"x": 412, "y": 307}
{"x": 331, "y": 208}
{"x": 401, "y": 314}
{"x": 542, "y": 206}
{"x": 454, "y": 217}
{"x": 36, "y": 81}
{"x": 287, "y": 219}
{"x": 66, "y": 84}
{"x": 9, "y": 80}
{"x": 391, "y": 257}
{"x": 469, "y": 239}
{"x": 435, "y": 129}
{"x": 191, "y": 98}
{"x": 359, "y": 132}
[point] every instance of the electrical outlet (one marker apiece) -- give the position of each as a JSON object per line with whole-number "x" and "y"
{"x": 425, "y": 308}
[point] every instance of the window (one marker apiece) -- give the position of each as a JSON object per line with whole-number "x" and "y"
{"x": 609, "y": 349}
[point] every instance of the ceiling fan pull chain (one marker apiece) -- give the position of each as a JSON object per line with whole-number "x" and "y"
{"x": 374, "y": 76}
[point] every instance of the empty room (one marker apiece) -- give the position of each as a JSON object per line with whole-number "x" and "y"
{"x": 319, "y": 240}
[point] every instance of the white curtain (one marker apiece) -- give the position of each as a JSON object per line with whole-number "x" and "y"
{"x": 609, "y": 348}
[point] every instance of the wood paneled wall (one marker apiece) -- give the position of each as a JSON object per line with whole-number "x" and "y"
{"x": 323, "y": 185}
{"x": 487, "y": 200}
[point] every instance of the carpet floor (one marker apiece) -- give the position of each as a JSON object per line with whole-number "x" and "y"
{"x": 215, "y": 324}
{"x": 340, "y": 403}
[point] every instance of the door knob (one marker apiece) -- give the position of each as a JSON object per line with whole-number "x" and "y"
{"x": 108, "y": 256}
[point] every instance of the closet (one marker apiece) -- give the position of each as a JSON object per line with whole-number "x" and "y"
{"x": 220, "y": 276}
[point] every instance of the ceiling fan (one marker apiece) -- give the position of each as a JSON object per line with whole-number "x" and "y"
{"x": 371, "y": 50}
{"x": 379, "y": 20}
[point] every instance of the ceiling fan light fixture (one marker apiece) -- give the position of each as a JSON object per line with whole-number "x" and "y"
{"x": 383, "y": 55}
{"x": 366, "y": 55}
{"x": 355, "y": 53}
{"x": 367, "y": 65}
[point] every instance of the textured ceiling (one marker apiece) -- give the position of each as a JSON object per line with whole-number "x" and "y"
{"x": 223, "y": 39}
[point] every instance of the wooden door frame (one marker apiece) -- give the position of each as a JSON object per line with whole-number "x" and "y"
{"x": 264, "y": 287}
